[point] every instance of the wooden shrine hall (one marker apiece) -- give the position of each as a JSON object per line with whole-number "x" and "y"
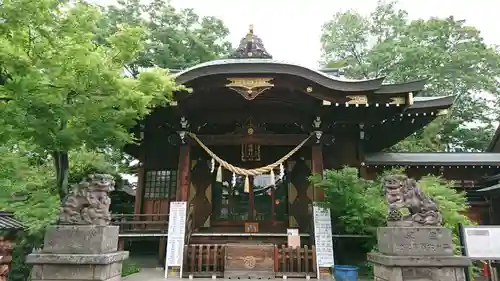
{"x": 240, "y": 146}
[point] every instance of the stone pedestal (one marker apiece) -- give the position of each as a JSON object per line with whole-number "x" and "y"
{"x": 78, "y": 253}
{"x": 417, "y": 254}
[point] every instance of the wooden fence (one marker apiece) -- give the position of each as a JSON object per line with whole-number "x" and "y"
{"x": 139, "y": 223}
{"x": 204, "y": 260}
{"x": 295, "y": 262}
{"x": 208, "y": 260}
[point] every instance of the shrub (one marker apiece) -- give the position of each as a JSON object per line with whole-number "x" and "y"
{"x": 129, "y": 268}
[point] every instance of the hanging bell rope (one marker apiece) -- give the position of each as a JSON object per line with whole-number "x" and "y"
{"x": 249, "y": 172}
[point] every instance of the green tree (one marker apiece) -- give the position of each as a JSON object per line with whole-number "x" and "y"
{"x": 176, "y": 39}
{"x": 28, "y": 190}
{"x": 451, "y": 55}
{"x": 65, "y": 90}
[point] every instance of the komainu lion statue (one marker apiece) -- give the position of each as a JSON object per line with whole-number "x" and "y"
{"x": 402, "y": 192}
{"x": 88, "y": 203}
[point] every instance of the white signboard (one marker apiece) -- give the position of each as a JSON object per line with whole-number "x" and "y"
{"x": 323, "y": 236}
{"x": 482, "y": 242}
{"x": 176, "y": 235}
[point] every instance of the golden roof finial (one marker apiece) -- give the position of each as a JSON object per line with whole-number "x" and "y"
{"x": 250, "y": 33}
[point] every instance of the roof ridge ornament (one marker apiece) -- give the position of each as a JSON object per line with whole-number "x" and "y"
{"x": 251, "y": 46}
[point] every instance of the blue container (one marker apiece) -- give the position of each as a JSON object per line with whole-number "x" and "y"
{"x": 345, "y": 273}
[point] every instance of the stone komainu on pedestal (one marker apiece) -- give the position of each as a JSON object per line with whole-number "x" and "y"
{"x": 415, "y": 246}
{"x": 83, "y": 246}
{"x": 88, "y": 203}
{"x": 402, "y": 192}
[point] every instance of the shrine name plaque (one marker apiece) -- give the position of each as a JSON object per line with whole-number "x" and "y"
{"x": 246, "y": 260}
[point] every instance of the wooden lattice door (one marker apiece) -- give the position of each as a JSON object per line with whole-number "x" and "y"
{"x": 200, "y": 193}
{"x": 300, "y": 193}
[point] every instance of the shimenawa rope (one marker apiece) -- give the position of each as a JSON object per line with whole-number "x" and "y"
{"x": 248, "y": 172}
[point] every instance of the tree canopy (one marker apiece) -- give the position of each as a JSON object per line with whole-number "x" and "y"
{"x": 450, "y": 54}
{"x": 176, "y": 39}
{"x": 63, "y": 88}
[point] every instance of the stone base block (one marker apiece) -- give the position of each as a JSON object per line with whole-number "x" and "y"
{"x": 415, "y": 241}
{"x": 385, "y": 273}
{"x": 46, "y": 258}
{"x": 418, "y": 268}
{"x": 81, "y": 239}
{"x": 65, "y": 267}
{"x": 419, "y": 261}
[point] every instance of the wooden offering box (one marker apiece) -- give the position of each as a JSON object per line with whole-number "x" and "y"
{"x": 249, "y": 261}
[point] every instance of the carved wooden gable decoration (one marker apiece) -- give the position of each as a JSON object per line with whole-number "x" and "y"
{"x": 250, "y": 87}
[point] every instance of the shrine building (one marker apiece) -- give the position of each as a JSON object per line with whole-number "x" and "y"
{"x": 240, "y": 146}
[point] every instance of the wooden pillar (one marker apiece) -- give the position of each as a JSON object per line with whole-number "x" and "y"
{"x": 317, "y": 168}
{"x": 140, "y": 184}
{"x": 363, "y": 172}
{"x": 162, "y": 247}
{"x": 121, "y": 244}
{"x": 184, "y": 169}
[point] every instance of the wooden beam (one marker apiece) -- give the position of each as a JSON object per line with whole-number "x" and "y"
{"x": 262, "y": 139}
{"x": 317, "y": 168}
{"x": 224, "y": 115}
{"x": 140, "y": 184}
{"x": 183, "y": 173}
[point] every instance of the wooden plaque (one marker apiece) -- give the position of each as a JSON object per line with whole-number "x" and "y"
{"x": 247, "y": 260}
{"x": 251, "y": 227}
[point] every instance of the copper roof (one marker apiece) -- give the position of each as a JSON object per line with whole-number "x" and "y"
{"x": 8, "y": 222}
{"x": 433, "y": 158}
{"x": 251, "y": 46}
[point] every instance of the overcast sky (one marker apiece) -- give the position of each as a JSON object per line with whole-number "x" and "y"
{"x": 290, "y": 30}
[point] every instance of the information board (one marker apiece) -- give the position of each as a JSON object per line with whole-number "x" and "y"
{"x": 482, "y": 242}
{"x": 323, "y": 236}
{"x": 176, "y": 235}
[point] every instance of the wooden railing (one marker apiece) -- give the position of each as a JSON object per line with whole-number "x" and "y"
{"x": 134, "y": 223}
{"x": 209, "y": 260}
{"x": 204, "y": 260}
{"x": 295, "y": 262}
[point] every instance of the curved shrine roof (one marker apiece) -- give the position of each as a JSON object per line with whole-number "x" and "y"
{"x": 329, "y": 78}
{"x": 270, "y": 66}
{"x": 437, "y": 102}
{"x": 251, "y": 57}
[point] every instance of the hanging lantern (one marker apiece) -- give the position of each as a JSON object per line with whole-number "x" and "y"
{"x": 277, "y": 201}
{"x": 269, "y": 192}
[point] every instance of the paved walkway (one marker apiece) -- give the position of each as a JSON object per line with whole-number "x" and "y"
{"x": 157, "y": 274}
